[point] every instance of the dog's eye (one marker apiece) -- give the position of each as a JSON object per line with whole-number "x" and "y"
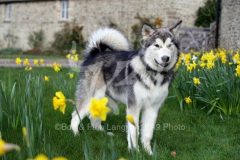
{"x": 156, "y": 45}
{"x": 169, "y": 45}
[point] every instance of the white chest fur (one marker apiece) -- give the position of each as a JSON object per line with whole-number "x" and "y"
{"x": 154, "y": 96}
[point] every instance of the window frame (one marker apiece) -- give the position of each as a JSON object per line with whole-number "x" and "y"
{"x": 8, "y": 13}
{"x": 65, "y": 10}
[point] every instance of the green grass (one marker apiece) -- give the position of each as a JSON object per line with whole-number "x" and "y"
{"x": 5, "y": 56}
{"x": 200, "y": 136}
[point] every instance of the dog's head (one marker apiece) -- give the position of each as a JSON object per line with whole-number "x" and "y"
{"x": 161, "y": 46}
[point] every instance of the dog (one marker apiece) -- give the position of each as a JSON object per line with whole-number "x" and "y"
{"x": 140, "y": 79}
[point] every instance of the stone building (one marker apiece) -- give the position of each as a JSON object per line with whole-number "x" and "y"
{"x": 18, "y": 18}
{"x": 230, "y": 24}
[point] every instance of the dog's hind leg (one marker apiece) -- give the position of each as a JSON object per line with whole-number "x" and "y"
{"x": 84, "y": 91}
{"x": 82, "y": 97}
{"x": 90, "y": 84}
{"x": 78, "y": 115}
{"x": 82, "y": 103}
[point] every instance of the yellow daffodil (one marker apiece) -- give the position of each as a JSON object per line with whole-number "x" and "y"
{"x": 59, "y": 158}
{"x": 230, "y": 63}
{"x": 189, "y": 68}
{"x": 208, "y": 56}
{"x": 237, "y": 71}
{"x": 178, "y": 63}
{"x": 187, "y": 58}
{"x": 181, "y": 56}
{"x": 204, "y": 57}
{"x": 41, "y": 61}
{"x": 236, "y": 58}
{"x": 75, "y": 57}
{"x": 202, "y": 64}
{"x": 26, "y": 62}
{"x": 18, "y": 61}
{"x": 122, "y": 158}
{"x": 28, "y": 68}
{"x": 130, "y": 119}
{"x": 210, "y": 65}
{"x": 40, "y": 157}
{"x": 98, "y": 108}
{"x": 36, "y": 62}
{"x": 2, "y": 143}
{"x": 44, "y": 157}
{"x": 188, "y": 100}
{"x": 56, "y": 68}
{"x": 224, "y": 60}
{"x": 177, "y": 66}
{"x": 196, "y": 53}
{"x": 6, "y": 147}
{"x": 194, "y": 65}
{"x": 221, "y": 53}
{"x": 68, "y": 56}
{"x": 59, "y": 101}
{"x": 54, "y": 64}
{"x": 211, "y": 56}
{"x": 71, "y": 75}
{"x": 196, "y": 80}
{"x": 46, "y": 78}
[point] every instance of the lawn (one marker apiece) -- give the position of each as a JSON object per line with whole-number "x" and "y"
{"x": 10, "y": 56}
{"x": 192, "y": 134}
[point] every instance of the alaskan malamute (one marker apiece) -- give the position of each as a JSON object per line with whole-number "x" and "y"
{"x": 140, "y": 78}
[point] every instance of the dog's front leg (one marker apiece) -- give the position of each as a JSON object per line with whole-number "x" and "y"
{"x": 149, "y": 117}
{"x": 133, "y": 129}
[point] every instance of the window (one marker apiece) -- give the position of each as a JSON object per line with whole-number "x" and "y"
{"x": 8, "y": 12}
{"x": 65, "y": 6}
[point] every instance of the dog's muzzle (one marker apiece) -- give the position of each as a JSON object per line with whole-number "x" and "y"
{"x": 164, "y": 64}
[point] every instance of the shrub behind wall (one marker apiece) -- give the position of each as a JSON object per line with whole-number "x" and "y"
{"x": 62, "y": 43}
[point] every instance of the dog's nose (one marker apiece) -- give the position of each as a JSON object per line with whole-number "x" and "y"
{"x": 165, "y": 58}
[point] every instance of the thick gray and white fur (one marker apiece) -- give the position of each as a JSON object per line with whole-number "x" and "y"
{"x": 140, "y": 78}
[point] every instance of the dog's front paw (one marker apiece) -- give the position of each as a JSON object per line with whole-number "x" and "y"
{"x": 130, "y": 148}
{"x": 149, "y": 151}
{"x": 147, "y": 146}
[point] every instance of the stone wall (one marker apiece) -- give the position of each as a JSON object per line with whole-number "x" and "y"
{"x": 230, "y": 24}
{"x": 33, "y": 16}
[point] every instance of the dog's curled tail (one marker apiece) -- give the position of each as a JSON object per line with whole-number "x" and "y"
{"x": 105, "y": 38}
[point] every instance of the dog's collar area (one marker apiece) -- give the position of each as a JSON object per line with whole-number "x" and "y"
{"x": 163, "y": 72}
{"x": 156, "y": 72}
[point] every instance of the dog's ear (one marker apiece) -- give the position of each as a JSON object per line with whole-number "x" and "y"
{"x": 174, "y": 29}
{"x": 147, "y": 31}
